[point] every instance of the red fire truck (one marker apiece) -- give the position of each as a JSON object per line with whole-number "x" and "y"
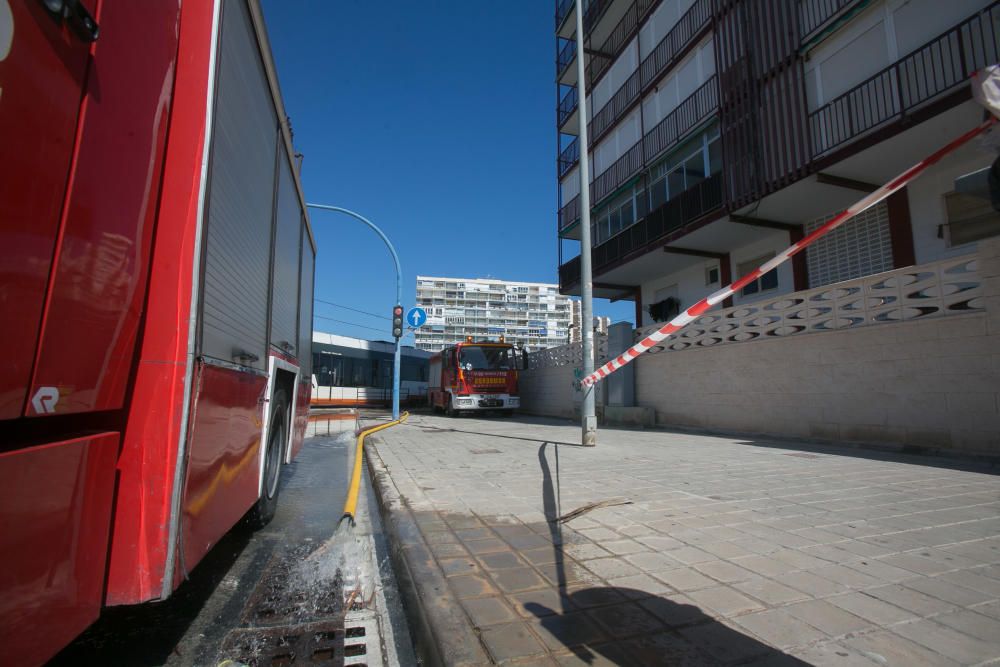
{"x": 474, "y": 376}
{"x": 157, "y": 281}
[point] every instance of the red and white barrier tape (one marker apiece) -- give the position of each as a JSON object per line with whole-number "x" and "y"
{"x": 695, "y": 311}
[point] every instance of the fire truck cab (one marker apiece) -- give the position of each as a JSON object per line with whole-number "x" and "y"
{"x": 474, "y": 376}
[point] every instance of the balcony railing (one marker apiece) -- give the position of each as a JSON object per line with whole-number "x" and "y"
{"x": 816, "y": 15}
{"x": 698, "y": 106}
{"x": 681, "y": 120}
{"x": 666, "y": 54}
{"x": 593, "y": 10}
{"x": 568, "y": 157}
{"x": 676, "y": 42}
{"x": 620, "y": 36}
{"x": 939, "y": 67}
{"x": 566, "y": 56}
{"x": 690, "y": 205}
{"x": 622, "y": 169}
{"x": 567, "y": 105}
{"x": 563, "y": 8}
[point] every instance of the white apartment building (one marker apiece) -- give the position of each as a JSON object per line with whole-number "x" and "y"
{"x": 601, "y": 323}
{"x": 533, "y": 315}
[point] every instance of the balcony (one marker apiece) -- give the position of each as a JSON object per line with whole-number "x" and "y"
{"x": 669, "y": 132}
{"x": 929, "y": 74}
{"x": 566, "y": 55}
{"x": 651, "y": 230}
{"x": 593, "y": 10}
{"x": 569, "y": 157}
{"x": 667, "y": 53}
{"x": 567, "y": 105}
{"x": 815, "y": 16}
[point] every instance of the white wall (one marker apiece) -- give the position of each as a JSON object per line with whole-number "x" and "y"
{"x": 774, "y": 242}
{"x": 657, "y": 26}
{"x": 690, "y": 283}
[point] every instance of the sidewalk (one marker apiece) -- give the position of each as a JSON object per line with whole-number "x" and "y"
{"x": 731, "y": 551}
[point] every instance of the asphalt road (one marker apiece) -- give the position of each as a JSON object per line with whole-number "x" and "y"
{"x": 251, "y": 587}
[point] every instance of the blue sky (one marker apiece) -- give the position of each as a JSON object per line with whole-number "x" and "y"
{"x": 435, "y": 120}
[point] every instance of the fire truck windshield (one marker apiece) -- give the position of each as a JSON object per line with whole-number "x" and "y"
{"x": 475, "y": 358}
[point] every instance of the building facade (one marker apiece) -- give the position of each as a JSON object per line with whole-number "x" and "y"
{"x": 723, "y": 130}
{"x": 600, "y": 323}
{"x": 533, "y": 315}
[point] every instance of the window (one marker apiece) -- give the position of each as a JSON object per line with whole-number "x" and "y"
{"x": 711, "y": 275}
{"x": 768, "y": 281}
{"x": 970, "y": 218}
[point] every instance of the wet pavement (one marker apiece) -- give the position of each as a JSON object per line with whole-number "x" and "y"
{"x": 287, "y": 594}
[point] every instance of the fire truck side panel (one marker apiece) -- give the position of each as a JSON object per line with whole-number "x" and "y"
{"x": 55, "y": 508}
{"x": 222, "y": 469}
{"x": 307, "y": 265}
{"x": 287, "y": 248}
{"x": 43, "y": 76}
{"x": 237, "y": 241}
{"x": 155, "y": 424}
{"x": 98, "y": 288}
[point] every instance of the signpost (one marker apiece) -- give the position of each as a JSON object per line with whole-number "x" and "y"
{"x": 416, "y": 317}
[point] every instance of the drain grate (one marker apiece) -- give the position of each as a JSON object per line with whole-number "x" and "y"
{"x": 282, "y": 598}
{"x": 362, "y": 642}
{"x": 307, "y": 644}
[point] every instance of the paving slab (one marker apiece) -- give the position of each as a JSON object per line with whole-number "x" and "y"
{"x": 731, "y": 550}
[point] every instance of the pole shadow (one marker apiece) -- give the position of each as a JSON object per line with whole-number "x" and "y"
{"x": 626, "y": 626}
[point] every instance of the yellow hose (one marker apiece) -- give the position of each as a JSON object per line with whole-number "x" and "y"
{"x": 351, "y": 504}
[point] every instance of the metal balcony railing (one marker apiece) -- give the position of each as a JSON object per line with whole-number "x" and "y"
{"x": 563, "y": 8}
{"x": 941, "y": 66}
{"x": 567, "y": 105}
{"x": 697, "y": 107}
{"x": 568, "y": 157}
{"x": 690, "y": 205}
{"x": 664, "y": 56}
{"x": 566, "y": 56}
{"x": 689, "y": 113}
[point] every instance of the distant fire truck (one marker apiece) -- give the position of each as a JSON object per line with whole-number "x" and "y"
{"x": 157, "y": 282}
{"x": 473, "y": 376}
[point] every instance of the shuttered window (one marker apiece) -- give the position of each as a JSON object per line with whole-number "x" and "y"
{"x": 860, "y": 247}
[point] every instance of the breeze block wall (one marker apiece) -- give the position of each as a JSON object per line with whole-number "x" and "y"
{"x": 929, "y": 383}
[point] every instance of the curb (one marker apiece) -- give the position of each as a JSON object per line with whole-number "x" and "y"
{"x": 441, "y": 633}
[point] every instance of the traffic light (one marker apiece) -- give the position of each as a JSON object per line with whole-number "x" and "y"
{"x": 397, "y": 321}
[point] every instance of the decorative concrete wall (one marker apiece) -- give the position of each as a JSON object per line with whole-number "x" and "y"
{"x": 909, "y": 357}
{"x": 929, "y": 381}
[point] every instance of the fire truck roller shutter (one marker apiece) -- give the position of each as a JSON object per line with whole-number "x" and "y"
{"x": 285, "y": 279}
{"x": 240, "y": 200}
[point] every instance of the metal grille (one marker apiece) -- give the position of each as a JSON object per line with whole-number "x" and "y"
{"x": 860, "y": 248}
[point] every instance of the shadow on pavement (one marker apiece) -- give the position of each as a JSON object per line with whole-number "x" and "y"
{"x": 633, "y": 616}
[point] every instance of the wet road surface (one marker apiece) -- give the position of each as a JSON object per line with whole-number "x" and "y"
{"x": 260, "y": 598}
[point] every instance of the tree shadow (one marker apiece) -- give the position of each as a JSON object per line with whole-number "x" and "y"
{"x": 625, "y": 626}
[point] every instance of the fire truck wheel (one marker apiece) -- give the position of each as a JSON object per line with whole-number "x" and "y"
{"x": 450, "y": 409}
{"x": 277, "y": 432}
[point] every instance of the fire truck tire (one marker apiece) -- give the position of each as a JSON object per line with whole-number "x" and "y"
{"x": 277, "y": 433}
{"x": 450, "y": 409}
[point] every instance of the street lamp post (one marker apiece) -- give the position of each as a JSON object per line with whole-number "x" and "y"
{"x": 399, "y": 293}
{"x": 587, "y": 409}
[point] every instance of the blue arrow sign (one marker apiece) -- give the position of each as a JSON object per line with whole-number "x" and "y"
{"x": 416, "y": 317}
